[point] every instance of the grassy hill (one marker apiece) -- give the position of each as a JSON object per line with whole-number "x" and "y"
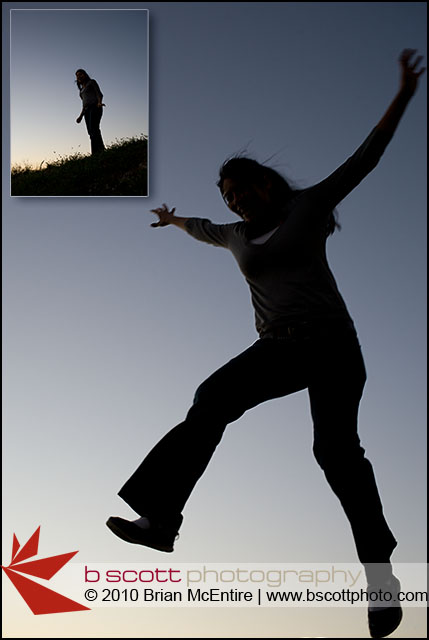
{"x": 121, "y": 170}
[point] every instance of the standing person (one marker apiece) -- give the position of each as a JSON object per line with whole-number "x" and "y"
{"x": 92, "y": 108}
{"x": 307, "y": 339}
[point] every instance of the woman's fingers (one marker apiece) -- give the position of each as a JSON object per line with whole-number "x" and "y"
{"x": 417, "y": 62}
{"x": 406, "y": 55}
{"x": 410, "y": 73}
{"x": 415, "y": 65}
{"x": 163, "y": 209}
{"x": 164, "y": 216}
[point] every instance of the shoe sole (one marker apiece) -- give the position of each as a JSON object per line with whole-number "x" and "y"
{"x": 386, "y": 630}
{"x": 118, "y": 531}
{"x": 387, "y": 620}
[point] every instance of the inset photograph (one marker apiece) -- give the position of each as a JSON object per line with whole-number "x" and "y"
{"x": 79, "y": 102}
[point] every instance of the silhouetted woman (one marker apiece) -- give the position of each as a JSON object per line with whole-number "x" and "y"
{"x": 92, "y": 108}
{"x": 307, "y": 339}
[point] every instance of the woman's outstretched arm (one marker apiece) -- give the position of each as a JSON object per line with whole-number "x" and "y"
{"x": 199, "y": 228}
{"x": 410, "y": 75}
{"x": 167, "y": 217}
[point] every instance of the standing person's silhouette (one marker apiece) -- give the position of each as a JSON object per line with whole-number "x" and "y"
{"x": 307, "y": 339}
{"x": 92, "y": 108}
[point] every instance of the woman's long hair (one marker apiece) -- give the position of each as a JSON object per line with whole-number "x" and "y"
{"x": 87, "y": 78}
{"x": 244, "y": 169}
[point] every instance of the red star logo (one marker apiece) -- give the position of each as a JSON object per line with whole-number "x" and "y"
{"x": 40, "y": 599}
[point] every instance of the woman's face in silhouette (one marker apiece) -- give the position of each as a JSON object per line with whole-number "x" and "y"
{"x": 80, "y": 77}
{"x": 249, "y": 201}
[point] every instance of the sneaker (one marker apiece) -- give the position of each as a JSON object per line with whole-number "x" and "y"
{"x": 157, "y": 537}
{"x": 382, "y": 621}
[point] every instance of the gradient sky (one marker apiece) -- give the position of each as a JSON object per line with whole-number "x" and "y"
{"x": 110, "y": 325}
{"x": 47, "y": 47}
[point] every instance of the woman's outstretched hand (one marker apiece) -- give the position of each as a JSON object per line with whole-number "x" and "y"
{"x": 410, "y": 73}
{"x": 165, "y": 216}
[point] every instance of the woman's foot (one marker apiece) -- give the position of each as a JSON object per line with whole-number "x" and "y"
{"x": 384, "y": 613}
{"x": 145, "y": 532}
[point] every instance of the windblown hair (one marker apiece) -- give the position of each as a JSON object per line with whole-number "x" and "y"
{"x": 248, "y": 170}
{"x": 87, "y": 78}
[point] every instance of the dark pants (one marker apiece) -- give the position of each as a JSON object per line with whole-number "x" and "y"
{"x": 331, "y": 366}
{"x": 93, "y": 116}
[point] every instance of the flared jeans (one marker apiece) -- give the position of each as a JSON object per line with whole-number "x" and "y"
{"x": 329, "y": 364}
{"x": 93, "y": 115}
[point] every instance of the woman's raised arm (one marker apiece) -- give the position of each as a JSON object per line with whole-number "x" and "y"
{"x": 410, "y": 74}
{"x": 329, "y": 192}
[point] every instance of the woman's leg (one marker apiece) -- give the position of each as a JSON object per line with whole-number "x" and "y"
{"x": 164, "y": 481}
{"x": 335, "y": 389}
{"x": 93, "y": 116}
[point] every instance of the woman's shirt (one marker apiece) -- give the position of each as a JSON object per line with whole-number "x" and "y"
{"x": 288, "y": 274}
{"x": 91, "y": 94}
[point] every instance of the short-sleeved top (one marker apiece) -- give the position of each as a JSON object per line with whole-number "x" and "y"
{"x": 288, "y": 275}
{"x": 91, "y": 93}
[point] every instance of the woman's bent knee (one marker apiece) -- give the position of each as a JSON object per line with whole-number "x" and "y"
{"x": 338, "y": 454}
{"x": 216, "y": 406}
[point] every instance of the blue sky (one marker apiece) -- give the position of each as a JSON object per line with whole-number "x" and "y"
{"x": 110, "y": 325}
{"x": 47, "y": 47}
